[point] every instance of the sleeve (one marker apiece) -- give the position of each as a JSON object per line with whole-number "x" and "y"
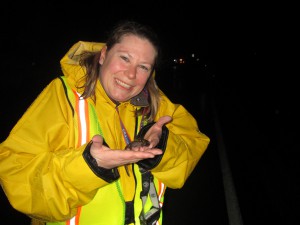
{"x": 150, "y": 163}
{"x": 185, "y": 145}
{"x": 109, "y": 175}
{"x": 42, "y": 172}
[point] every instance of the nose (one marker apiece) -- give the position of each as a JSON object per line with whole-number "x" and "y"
{"x": 131, "y": 72}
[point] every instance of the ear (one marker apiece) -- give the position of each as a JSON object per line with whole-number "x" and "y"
{"x": 102, "y": 55}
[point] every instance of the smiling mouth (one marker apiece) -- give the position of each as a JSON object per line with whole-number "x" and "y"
{"x": 122, "y": 84}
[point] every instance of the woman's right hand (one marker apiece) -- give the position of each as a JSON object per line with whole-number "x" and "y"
{"x": 109, "y": 159}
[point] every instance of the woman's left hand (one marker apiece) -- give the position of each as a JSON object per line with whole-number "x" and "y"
{"x": 154, "y": 133}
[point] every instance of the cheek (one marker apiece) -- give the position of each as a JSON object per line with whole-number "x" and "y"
{"x": 142, "y": 79}
{"x": 111, "y": 65}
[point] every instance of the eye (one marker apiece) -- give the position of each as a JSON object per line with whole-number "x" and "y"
{"x": 145, "y": 68}
{"x": 126, "y": 59}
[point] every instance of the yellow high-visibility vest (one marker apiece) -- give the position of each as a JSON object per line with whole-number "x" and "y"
{"x": 108, "y": 206}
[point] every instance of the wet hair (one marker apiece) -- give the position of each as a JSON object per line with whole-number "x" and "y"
{"x": 124, "y": 28}
{"x": 90, "y": 61}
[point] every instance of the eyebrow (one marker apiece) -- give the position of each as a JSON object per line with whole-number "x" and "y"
{"x": 126, "y": 52}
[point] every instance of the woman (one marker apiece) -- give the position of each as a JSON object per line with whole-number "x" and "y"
{"x": 101, "y": 143}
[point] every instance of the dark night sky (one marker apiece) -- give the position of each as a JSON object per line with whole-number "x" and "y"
{"x": 182, "y": 28}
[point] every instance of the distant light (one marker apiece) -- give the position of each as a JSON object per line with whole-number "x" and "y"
{"x": 193, "y": 55}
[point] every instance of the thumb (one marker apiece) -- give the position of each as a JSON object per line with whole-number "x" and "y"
{"x": 163, "y": 120}
{"x": 97, "y": 140}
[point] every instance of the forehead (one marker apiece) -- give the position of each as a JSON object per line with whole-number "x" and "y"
{"x": 136, "y": 46}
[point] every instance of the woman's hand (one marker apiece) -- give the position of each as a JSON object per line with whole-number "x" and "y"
{"x": 109, "y": 159}
{"x": 154, "y": 133}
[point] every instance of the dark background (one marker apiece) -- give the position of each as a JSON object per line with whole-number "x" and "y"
{"x": 247, "y": 70}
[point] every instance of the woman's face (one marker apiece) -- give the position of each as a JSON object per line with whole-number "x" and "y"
{"x": 126, "y": 67}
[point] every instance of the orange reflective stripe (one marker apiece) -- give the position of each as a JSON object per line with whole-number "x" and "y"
{"x": 77, "y": 216}
{"x": 81, "y": 107}
{"x": 161, "y": 190}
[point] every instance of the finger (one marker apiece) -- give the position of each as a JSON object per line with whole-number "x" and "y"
{"x": 97, "y": 139}
{"x": 163, "y": 120}
{"x": 150, "y": 153}
{"x": 154, "y": 151}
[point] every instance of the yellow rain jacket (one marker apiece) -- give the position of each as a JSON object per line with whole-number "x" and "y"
{"x": 42, "y": 170}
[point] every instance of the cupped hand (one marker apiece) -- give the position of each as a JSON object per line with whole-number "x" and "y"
{"x": 108, "y": 158}
{"x": 154, "y": 133}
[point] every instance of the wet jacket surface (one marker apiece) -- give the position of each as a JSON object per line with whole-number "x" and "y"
{"x": 44, "y": 174}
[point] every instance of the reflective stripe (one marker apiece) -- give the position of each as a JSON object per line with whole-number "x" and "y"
{"x": 161, "y": 189}
{"x": 81, "y": 108}
{"x": 107, "y": 199}
{"x": 83, "y": 119}
{"x": 71, "y": 221}
{"x": 160, "y": 193}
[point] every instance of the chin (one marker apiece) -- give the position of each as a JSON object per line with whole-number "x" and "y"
{"x": 121, "y": 99}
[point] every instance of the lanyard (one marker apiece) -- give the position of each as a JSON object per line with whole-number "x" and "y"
{"x": 124, "y": 131}
{"x": 137, "y": 129}
{"x": 148, "y": 187}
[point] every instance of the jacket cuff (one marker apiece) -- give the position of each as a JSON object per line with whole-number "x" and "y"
{"x": 109, "y": 175}
{"x": 148, "y": 164}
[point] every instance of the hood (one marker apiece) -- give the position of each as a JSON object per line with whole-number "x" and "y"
{"x": 70, "y": 62}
